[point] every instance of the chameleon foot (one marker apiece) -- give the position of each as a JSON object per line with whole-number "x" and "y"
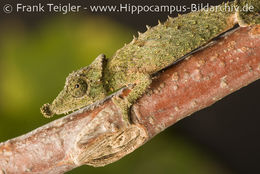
{"x": 124, "y": 106}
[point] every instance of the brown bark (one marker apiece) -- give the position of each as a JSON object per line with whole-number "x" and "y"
{"x": 97, "y": 135}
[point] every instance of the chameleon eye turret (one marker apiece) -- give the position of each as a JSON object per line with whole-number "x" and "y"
{"x": 77, "y": 87}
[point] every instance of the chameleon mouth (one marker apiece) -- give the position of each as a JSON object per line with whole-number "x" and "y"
{"x": 46, "y": 110}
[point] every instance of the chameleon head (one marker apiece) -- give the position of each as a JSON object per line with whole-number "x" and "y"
{"x": 82, "y": 88}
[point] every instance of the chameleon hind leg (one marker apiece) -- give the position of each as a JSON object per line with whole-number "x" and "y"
{"x": 143, "y": 83}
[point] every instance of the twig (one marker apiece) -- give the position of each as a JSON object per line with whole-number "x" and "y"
{"x": 97, "y": 135}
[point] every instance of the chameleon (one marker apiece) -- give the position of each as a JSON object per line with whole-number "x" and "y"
{"x": 147, "y": 54}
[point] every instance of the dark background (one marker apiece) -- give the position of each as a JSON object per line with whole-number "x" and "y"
{"x": 228, "y": 131}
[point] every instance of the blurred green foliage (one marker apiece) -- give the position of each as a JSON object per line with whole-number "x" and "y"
{"x": 34, "y": 63}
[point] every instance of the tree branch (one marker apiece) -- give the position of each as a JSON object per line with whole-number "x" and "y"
{"x": 97, "y": 135}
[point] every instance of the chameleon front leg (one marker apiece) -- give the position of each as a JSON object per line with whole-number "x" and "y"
{"x": 143, "y": 83}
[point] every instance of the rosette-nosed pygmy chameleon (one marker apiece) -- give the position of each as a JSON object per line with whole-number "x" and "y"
{"x": 152, "y": 51}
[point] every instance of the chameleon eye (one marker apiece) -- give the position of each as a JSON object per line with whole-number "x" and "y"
{"x": 78, "y": 87}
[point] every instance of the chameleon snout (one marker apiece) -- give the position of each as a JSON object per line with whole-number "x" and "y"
{"x": 46, "y": 110}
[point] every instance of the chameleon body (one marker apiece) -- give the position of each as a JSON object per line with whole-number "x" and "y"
{"x": 152, "y": 51}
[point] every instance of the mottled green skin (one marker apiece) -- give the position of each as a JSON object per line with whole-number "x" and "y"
{"x": 249, "y": 18}
{"x": 164, "y": 44}
{"x": 150, "y": 52}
